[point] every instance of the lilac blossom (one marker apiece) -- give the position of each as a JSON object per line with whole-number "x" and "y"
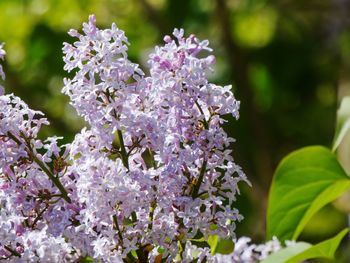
{"x": 152, "y": 170}
{"x": 32, "y": 210}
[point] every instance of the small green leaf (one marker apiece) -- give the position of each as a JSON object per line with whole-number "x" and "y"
{"x": 127, "y": 222}
{"x": 213, "y": 227}
{"x": 77, "y": 156}
{"x": 202, "y": 239}
{"x": 85, "y": 260}
{"x": 301, "y": 251}
{"x": 181, "y": 247}
{"x": 161, "y": 250}
{"x": 343, "y": 122}
{"x": 221, "y": 246}
{"x": 225, "y": 246}
{"x": 213, "y": 242}
{"x": 304, "y": 182}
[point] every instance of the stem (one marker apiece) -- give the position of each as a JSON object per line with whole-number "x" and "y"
{"x": 154, "y": 202}
{"x": 13, "y": 252}
{"x": 123, "y": 150}
{"x": 151, "y": 214}
{"x": 54, "y": 179}
{"x": 200, "y": 179}
{"x": 153, "y": 161}
{"x": 206, "y": 125}
{"x": 115, "y": 221}
{"x": 142, "y": 254}
{"x": 129, "y": 258}
{"x": 133, "y": 216}
{"x": 39, "y": 216}
{"x": 135, "y": 145}
{"x": 42, "y": 166}
{"x": 348, "y": 217}
{"x": 130, "y": 150}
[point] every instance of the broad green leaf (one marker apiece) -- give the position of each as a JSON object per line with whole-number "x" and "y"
{"x": 325, "y": 249}
{"x": 327, "y": 196}
{"x": 221, "y": 246}
{"x": 304, "y": 182}
{"x": 343, "y": 122}
{"x": 301, "y": 251}
{"x": 286, "y": 253}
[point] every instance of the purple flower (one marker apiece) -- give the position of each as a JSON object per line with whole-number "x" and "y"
{"x": 152, "y": 169}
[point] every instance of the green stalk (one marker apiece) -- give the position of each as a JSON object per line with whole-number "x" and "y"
{"x": 200, "y": 179}
{"x": 153, "y": 161}
{"x": 205, "y": 123}
{"x": 39, "y": 216}
{"x": 43, "y": 167}
{"x": 151, "y": 214}
{"x": 115, "y": 221}
{"x": 123, "y": 150}
{"x": 14, "y": 252}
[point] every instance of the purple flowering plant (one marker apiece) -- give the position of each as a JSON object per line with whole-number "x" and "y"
{"x": 150, "y": 179}
{"x": 152, "y": 170}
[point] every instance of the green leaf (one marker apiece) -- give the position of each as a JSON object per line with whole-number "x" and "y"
{"x": 221, "y": 246}
{"x": 343, "y": 122}
{"x": 127, "y": 222}
{"x": 202, "y": 239}
{"x": 225, "y": 246}
{"x": 286, "y": 253}
{"x": 325, "y": 249}
{"x": 303, "y": 251}
{"x": 304, "y": 182}
{"x": 213, "y": 242}
{"x": 85, "y": 260}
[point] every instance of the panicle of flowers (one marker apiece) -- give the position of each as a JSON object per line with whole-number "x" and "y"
{"x": 18, "y": 125}
{"x": 33, "y": 214}
{"x": 152, "y": 170}
{"x": 101, "y": 75}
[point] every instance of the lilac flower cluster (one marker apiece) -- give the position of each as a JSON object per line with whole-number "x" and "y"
{"x": 35, "y": 207}
{"x": 152, "y": 170}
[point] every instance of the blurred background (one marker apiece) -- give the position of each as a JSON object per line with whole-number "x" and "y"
{"x": 288, "y": 62}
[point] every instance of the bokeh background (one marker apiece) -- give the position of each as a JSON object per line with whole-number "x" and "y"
{"x": 288, "y": 62}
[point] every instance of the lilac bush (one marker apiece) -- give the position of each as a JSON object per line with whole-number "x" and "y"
{"x": 150, "y": 173}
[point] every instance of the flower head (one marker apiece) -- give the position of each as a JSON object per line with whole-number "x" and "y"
{"x": 152, "y": 169}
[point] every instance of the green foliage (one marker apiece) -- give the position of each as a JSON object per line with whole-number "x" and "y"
{"x": 304, "y": 182}
{"x": 286, "y": 253}
{"x": 303, "y": 251}
{"x": 343, "y": 122}
{"x": 221, "y": 246}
